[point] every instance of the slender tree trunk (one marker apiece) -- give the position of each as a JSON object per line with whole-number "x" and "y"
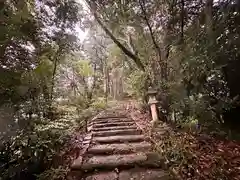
{"x": 90, "y": 93}
{"x": 53, "y": 78}
{"x": 55, "y": 63}
{"x": 182, "y": 19}
{"x": 74, "y": 85}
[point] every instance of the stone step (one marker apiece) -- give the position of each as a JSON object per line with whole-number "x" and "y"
{"x": 112, "y": 120}
{"x": 107, "y": 118}
{"x": 113, "y": 124}
{"x": 116, "y": 132}
{"x": 119, "y": 161}
{"x": 119, "y": 148}
{"x": 108, "y": 122}
{"x": 143, "y": 174}
{"x": 113, "y": 161}
{"x": 111, "y": 117}
{"x": 132, "y": 174}
{"x": 114, "y": 128}
{"x": 112, "y": 175}
{"x": 118, "y": 139}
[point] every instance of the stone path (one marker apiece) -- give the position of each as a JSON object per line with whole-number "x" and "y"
{"x": 115, "y": 149}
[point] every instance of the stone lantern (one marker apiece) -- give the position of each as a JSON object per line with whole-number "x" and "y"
{"x": 152, "y": 101}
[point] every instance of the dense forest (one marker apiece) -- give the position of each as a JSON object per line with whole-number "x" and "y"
{"x": 62, "y": 61}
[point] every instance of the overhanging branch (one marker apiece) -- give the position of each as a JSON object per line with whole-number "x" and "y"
{"x": 135, "y": 58}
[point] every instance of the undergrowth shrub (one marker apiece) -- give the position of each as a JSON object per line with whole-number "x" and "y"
{"x": 32, "y": 152}
{"x": 136, "y": 84}
{"x": 100, "y": 103}
{"x": 33, "y": 149}
{"x": 59, "y": 173}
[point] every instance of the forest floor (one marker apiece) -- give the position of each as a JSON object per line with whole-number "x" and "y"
{"x": 186, "y": 155}
{"x": 192, "y": 155}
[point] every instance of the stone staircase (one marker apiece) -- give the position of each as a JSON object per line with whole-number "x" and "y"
{"x": 115, "y": 149}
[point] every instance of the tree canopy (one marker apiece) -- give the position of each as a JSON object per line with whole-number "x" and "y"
{"x": 58, "y": 54}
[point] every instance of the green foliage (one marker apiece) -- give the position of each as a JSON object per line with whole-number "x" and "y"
{"x": 201, "y": 87}
{"x": 79, "y": 101}
{"x": 85, "y": 115}
{"x": 99, "y": 103}
{"x": 35, "y": 39}
{"x": 37, "y": 145}
{"x": 136, "y": 81}
{"x": 84, "y": 68}
{"x": 38, "y": 77}
{"x": 59, "y": 173}
{"x": 24, "y": 39}
{"x": 189, "y": 49}
{"x": 97, "y": 106}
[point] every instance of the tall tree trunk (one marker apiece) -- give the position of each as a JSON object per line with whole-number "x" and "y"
{"x": 55, "y": 63}
{"x": 115, "y": 83}
{"x": 165, "y": 54}
{"x": 106, "y": 81}
{"x": 209, "y": 17}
